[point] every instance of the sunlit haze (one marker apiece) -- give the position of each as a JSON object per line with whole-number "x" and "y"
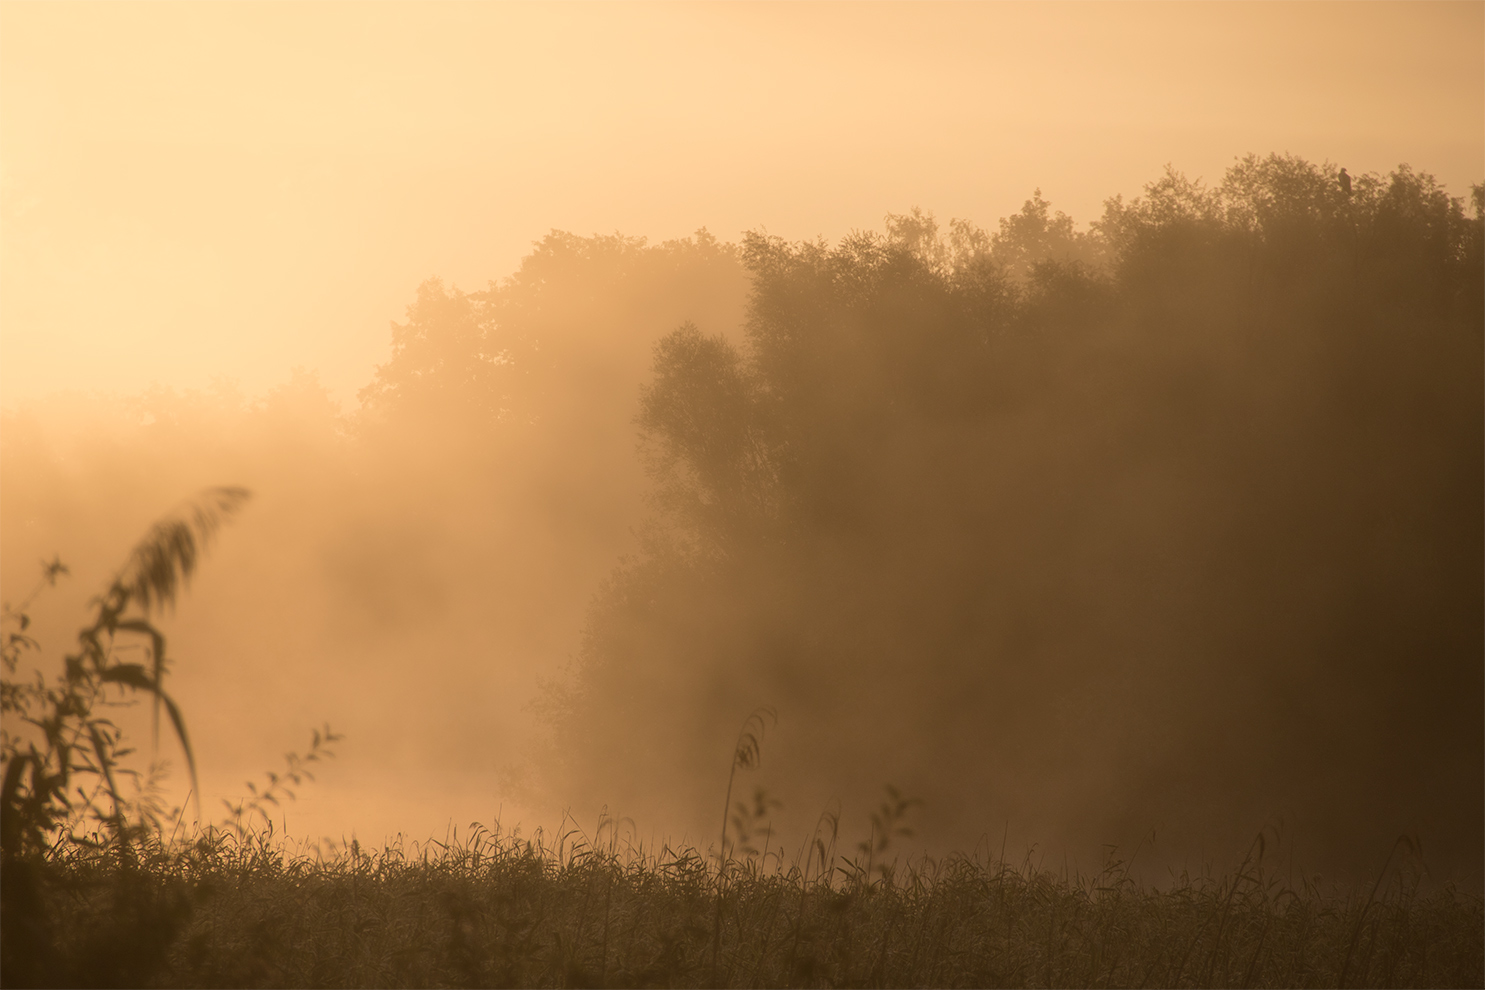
{"x": 496, "y": 310}
{"x": 205, "y": 190}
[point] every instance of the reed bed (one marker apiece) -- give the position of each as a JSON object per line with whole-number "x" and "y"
{"x": 491, "y": 908}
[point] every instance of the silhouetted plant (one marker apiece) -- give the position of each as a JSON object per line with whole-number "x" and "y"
{"x": 246, "y": 814}
{"x": 63, "y": 757}
{"x": 888, "y": 822}
{"x": 40, "y": 789}
{"x": 746, "y": 755}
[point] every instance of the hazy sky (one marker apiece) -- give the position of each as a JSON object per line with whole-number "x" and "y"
{"x": 220, "y": 189}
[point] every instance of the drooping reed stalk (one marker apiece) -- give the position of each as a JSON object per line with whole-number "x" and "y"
{"x": 746, "y": 755}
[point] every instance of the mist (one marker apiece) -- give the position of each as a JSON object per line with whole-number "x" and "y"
{"x": 1133, "y": 510}
{"x": 1161, "y": 530}
{"x": 1181, "y": 541}
{"x": 407, "y": 573}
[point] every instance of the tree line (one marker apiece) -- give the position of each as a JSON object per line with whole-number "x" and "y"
{"x": 1173, "y": 523}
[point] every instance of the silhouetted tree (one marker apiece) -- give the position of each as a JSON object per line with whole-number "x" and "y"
{"x": 535, "y": 346}
{"x": 1023, "y": 501}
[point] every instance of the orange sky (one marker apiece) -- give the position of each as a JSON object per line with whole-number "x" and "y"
{"x": 205, "y": 190}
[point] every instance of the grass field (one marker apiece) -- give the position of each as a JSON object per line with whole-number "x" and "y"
{"x": 497, "y": 909}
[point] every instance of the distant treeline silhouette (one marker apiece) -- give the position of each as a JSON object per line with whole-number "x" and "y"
{"x": 1172, "y": 522}
{"x": 1175, "y": 523}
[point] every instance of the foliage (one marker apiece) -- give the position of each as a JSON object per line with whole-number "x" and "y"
{"x": 493, "y": 908}
{"x": 746, "y": 755}
{"x": 41, "y": 793}
{"x": 250, "y": 814}
{"x": 522, "y": 351}
{"x": 64, "y": 758}
{"x": 1008, "y": 502}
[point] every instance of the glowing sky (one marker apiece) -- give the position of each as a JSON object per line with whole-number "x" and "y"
{"x": 205, "y": 190}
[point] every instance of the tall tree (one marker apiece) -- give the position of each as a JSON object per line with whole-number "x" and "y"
{"x": 977, "y": 513}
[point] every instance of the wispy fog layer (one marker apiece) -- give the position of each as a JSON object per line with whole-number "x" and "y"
{"x": 407, "y": 572}
{"x": 1170, "y": 523}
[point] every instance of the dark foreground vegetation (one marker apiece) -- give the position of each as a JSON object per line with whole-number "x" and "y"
{"x": 497, "y": 910}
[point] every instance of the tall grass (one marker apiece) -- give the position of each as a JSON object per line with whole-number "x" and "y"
{"x": 494, "y": 908}
{"x": 62, "y": 793}
{"x": 101, "y": 889}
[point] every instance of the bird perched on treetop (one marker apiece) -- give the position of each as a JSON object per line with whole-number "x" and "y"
{"x": 1345, "y": 183}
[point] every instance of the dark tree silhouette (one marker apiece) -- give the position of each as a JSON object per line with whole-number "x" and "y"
{"x": 1014, "y": 536}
